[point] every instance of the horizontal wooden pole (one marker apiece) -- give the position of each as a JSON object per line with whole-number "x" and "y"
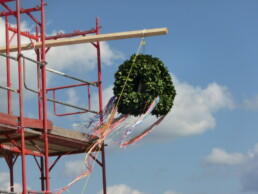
{"x": 91, "y": 38}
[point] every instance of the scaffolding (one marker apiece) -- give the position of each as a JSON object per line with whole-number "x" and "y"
{"x": 39, "y": 137}
{"x": 21, "y": 136}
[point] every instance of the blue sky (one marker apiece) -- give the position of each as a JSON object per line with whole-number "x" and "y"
{"x": 208, "y": 143}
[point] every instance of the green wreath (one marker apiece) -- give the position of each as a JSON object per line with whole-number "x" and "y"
{"x": 149, "y": 78}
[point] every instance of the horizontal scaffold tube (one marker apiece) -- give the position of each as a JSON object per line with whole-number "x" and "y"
{"x": 73, "y": 106}
{"x": 91, "y": 38}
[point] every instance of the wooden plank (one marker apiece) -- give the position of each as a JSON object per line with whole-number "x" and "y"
{"x": 61, "y": 141}
{"x": 71, "y": 134}
{"x": 36, "y": 124}
{"x": 8, "y": 119}
{"x": 91, "y": 38}
{"x": 7, "y": 129}
{"x": 12, "y": 120}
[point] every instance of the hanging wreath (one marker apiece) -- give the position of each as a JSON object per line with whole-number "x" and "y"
{"x": 148, "y": 79}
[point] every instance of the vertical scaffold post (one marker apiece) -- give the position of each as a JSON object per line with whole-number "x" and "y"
{"x": 8, "y": 71}
{"x": 44, "y": 93}
{"x": 11, "y": 164}
{"x": 42, "y": 176}
{"x": 101, "y": 108}
{"x": 40, "y": 113}
{"x": 21, "y": 105}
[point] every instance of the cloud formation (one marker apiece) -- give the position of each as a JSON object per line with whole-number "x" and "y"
{"x": 80, "y": 58}
{"x": 193, "y": 111}
{"x": 251, "y": 104}
{"x": 220, "y": 156}
{"x": 247, "y": 164}
{"x": 249, "y": 176}
{"x": 125, "y": 189}
{"x": 122, "y": 188}
{"x": 5, "y": 184}
{"x": 74, "y": 168}
{"x": 171, "y": 192}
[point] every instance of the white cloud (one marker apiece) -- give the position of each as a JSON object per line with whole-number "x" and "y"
{"x": 74, "y": 168}
{"x": 171, "y": 192}
{"x": 249, "y": 175}
{"x": 80, "y": 57}
{"x": 251, "y": 104}
{"x": 220, "y": 156}
{"x": 5, "y": 184}
{"x": 254, "y": 152}
{"x": 193, "y": 111}
{"x": 247, "y": 165}
{"x": 122, "y": 188}
{"x": 72, "y": 98}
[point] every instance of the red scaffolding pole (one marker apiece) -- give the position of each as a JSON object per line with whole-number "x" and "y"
{"x": 101, "y": 107}
{"x": 21, "y": 102}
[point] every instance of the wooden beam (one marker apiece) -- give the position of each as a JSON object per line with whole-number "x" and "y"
{"x": 91, "y": 38}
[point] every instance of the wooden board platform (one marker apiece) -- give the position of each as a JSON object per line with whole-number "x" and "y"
{"x": 61, "y": 141}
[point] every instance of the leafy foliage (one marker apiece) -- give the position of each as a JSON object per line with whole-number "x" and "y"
{"x": 149, "y": 78}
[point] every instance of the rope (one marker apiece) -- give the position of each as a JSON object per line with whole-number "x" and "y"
{"x": 142, "y": 43}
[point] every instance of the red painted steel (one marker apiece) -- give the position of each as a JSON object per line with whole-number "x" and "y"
{"x": 20, "y": 11}
{"x": 44, "y": 91}
{"x": 18, "y": 139}
{"x": 12, "y": 120}
{"x": 5, "y": 1}
{"x": 70, "y": 86}
{"x": 26, "y": 34}
{"x": 21, "y": 105}
{"x": 75, "y": 33}
{"x": 17, "y": 150}
{"x": 101, "y": 107}
{"x": 12, "y": 123}
{"x": 8, "y": 8}
{"x": 33, "y": 18}
{"x": 8, "y": 68}
{"x": 40, "y": 106}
